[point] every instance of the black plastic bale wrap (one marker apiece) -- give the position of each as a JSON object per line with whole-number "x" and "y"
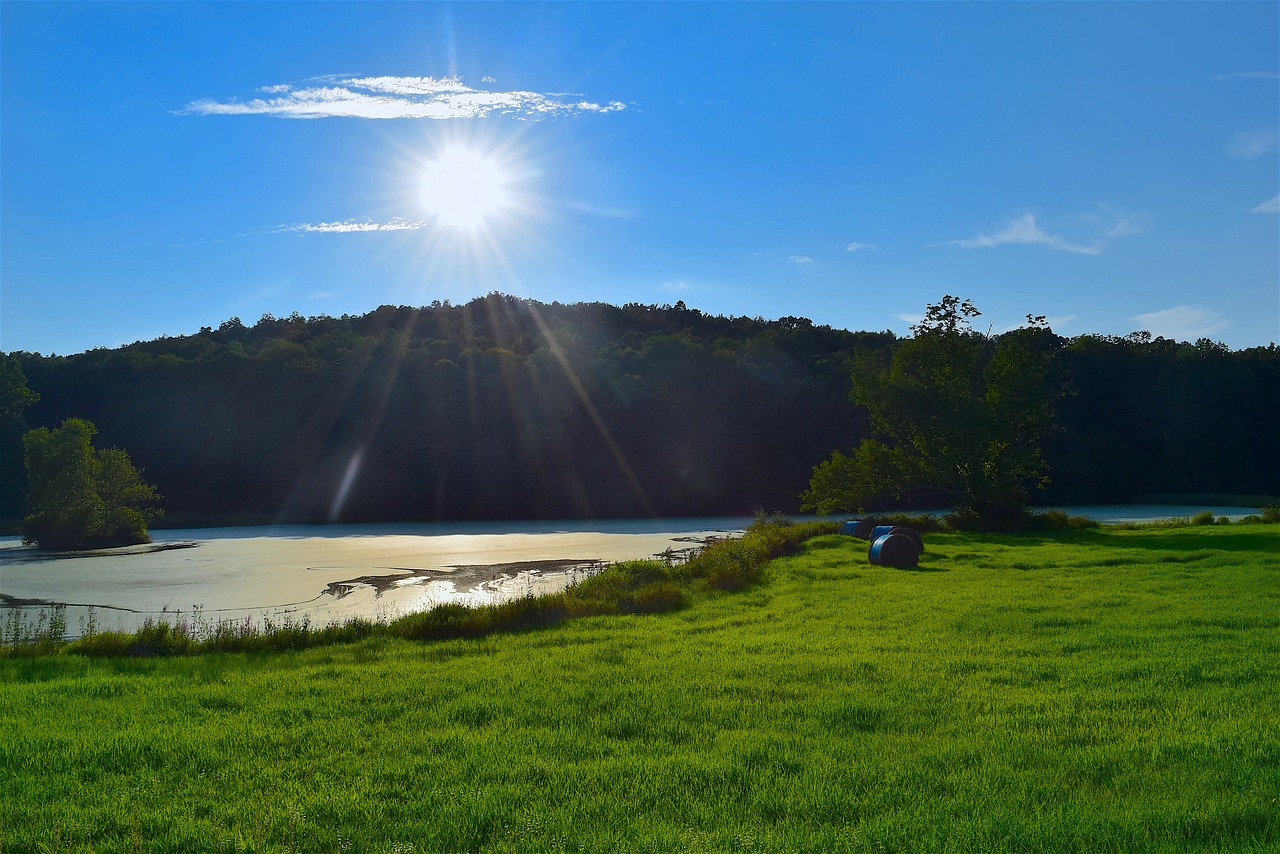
{"x": 895, "y": 550}
{"x": 858, "y": 528}
{"x": 912, "y": 533}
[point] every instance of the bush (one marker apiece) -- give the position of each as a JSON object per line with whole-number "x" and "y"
{"x": 1204, "y": 517}
{"x": 1058, "y": 520}
{"x": 924, "y": 523}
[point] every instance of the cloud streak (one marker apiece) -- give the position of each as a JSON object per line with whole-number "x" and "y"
{"x": 1183, "y": 322}
{"x": 1271, "y": 205}
{"x": 1252, "y": 143}
{"x": 1249, "y": 75}
{"x": 855, "y": 246}
{"x": 1025, "y": 230}
{"x": 349, "y": 226}
{"x": 395, "y": 98}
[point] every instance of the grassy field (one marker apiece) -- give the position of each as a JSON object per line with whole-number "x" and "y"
{"x": 1075, "y": 691}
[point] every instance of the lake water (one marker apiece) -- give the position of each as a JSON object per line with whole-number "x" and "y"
{"x": 330, "y": 572}
{"x": 334, "y": 572}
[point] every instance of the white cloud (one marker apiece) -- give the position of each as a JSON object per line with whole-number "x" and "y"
{"x": 677, "y": 285}
{"x": 1126, "y": 224}
{"x": 1248, "y": 144}
{"x": 1183, "y": 322}
{"x": 350, "y": 225}
{"x": 913, "y": 319}
{"x": 394, "y": 98}
{"x": 487, "y": 79}
{"x": 799, "y": 259}
{"x": 1271, "y": 205}
{"x": 600, "y": 210}
{"x": 1255, "y": 75}
{"x": 1025, "y": 230}
{"x": 861, "y": 247}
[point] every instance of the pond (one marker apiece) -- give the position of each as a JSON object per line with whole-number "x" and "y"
{"x": 330, "y": 573}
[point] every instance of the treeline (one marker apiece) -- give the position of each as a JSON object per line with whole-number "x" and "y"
{"x": 510, "y": 408}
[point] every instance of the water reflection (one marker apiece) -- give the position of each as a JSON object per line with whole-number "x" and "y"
{"x": 329, "y": 573}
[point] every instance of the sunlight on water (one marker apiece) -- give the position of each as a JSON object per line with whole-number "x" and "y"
{"x": 329, "y": 573}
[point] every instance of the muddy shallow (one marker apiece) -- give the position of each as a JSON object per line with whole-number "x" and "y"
{"x": 328, "y": 573}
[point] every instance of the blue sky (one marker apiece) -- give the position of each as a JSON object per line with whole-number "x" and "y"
{"x": 167, "y": 166}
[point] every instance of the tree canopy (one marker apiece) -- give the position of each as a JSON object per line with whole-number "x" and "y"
{"x": 956, "y": 412}
{"x": 505, "y": 408}
{"x": 82, "y": 498}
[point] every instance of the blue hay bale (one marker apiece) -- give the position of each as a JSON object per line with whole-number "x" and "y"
{"x": 880, "y": 530}
{"x": 857, "y": 528}
{"x": 912, "y": 533}
{"x": 896, "y": 550}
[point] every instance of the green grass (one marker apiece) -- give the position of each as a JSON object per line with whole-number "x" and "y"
{"x": 1085, "y": 690}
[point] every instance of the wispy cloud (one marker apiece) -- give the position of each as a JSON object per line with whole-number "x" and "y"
{"x": 1087, "y": 233}
{"x": 1251, "y": 75}
{"x": 861, "y": 247}
{"x": 1271, "y": 205}
{"x": 799, "y": 259}
{"x": 677, "y": 285}
{"x": 395, "y": 98}
{"x": 348, "y": 226}
{"x": 1025, "y": 230}
{"x": 600, "y": 210}
{"x": 1124, "y": 224}
{"x": 1248, "y": 144}
{"x": 1183, "y": 322}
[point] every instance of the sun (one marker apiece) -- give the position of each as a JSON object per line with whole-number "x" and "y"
{"x": 463, "y": 188}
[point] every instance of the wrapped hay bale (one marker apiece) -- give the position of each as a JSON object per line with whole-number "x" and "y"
{"x": 909, "y": 532}
{"x": 857, "y": 528}
{"x": 896, "y": 550}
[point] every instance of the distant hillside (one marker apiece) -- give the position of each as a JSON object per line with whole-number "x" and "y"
{"x": 511, "y": 408}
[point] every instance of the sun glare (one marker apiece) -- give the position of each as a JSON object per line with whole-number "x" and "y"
{"x": 462, "y": 188}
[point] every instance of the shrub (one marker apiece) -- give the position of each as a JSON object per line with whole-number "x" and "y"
{"x": 924, "y": 523}
{"x": 1058, "y": 520}
{"x": 1204, "y": 517}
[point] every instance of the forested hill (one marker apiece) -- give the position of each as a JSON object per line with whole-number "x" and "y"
{"x": 510, "y": 408}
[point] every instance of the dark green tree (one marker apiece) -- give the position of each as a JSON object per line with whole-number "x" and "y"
{"x": 955, "y": 411}
{"x": 15, "y": 397}
{"x": 82, "y": 498}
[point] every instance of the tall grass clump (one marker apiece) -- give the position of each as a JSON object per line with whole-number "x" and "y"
{"x": 735, "y": 564}
{"x": 44, "y": 635}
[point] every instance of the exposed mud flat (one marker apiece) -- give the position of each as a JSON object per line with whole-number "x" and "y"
{"x": 328, "y": 573}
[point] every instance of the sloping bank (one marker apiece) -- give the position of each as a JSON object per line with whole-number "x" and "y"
{"x": 629, "y": 587}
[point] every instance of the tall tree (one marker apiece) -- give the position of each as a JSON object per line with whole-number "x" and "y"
{"x": 15, "y": 397}
{"x": 83, "y": 499}
{"x": 955, "y": 410}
